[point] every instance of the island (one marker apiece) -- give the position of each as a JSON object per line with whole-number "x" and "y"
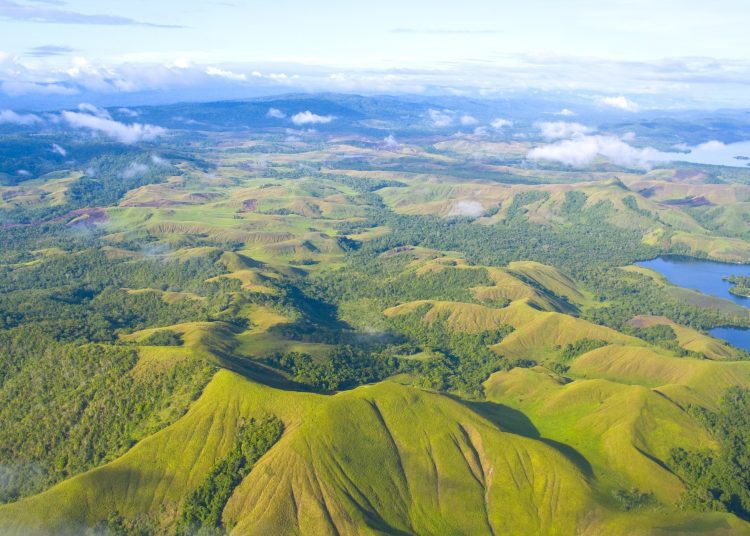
{"x": 740, "y": 285}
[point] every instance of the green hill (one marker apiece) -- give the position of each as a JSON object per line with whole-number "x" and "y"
{"x": 381, "y": 459}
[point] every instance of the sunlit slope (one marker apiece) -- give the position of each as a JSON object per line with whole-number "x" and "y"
{"x": 549, "y": 278}
{"x": 535, "y": 333}
{"x": 541, "y": 286}
{"x": 624, "y": 431}
{"x": 690, "y": 339}
{"x": 157, "y": 474}
{"x": 700, "y": 380}
{"x": 383, "y": 458}
{"x": 379, "y": 459}
{"x": 394, "y": 459}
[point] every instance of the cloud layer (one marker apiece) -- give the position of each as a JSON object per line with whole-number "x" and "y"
{"x": 275, "y": 113}
{"x": 583, "y": 150}
{"x": 10, "y": 10}
{"x": 677, "y": 82}
{"x": 471, "y": 209}
{"x": 309, "y": 118}
{"x": 620, "y": 102}
{"x": 13, "y": 118}
{"x": 126, "y": 133}
{"x": 557, "y": 130}
{"x": 440, "y": 118}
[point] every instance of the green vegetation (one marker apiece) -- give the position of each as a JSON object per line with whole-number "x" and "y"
{"x": 720, "y": 480}
{"x": 571, "y": 351}
{"x": 164, "y": 337}
{"x": 201, "y": 512}
{"x": 740, "y": 285}
{"x": 664, "y": 336}
{"x": 634, "y": 499}
{"x": 462, "y": 360}
{"x": 101, "y": 407}
{"x": 343, "y": 368}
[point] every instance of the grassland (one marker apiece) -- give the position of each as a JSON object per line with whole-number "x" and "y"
{"x": 386, "y": 458}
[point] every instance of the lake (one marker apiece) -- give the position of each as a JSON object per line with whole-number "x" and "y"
{"x": 706, "y": 277}
{"x": 712, "y": 152}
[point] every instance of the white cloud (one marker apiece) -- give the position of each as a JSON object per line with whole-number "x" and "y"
{"x": 620, "y": 102}
{"x": 9, "y": 116}
{"x": 309, "y": 118}
{"x": 468, "y": 120}
{"x": 713, "y": 145}
{"x": 128, "y": 112}
{"x": 439, "y": 118}
{"x": 275, "y": 113}
{"x": 159, "y": 161}
{"x": 472, "y": 209}
{"x": 94, "y": 110}
{"x": 181, "y": 63}
{"x": 389, "y": 142}
{"x": 135, "y": 169}
{"x": 500, "y": 123}
{"x": 565, "y": 112}
{"x": 557, "y": 130}
{"x": 59, "y": 150}
{"x": 583, "y": 150}
{"x": 131, "y": 133}
{"x": 14, "y": 88}
{"x": 229, "y": 75}
{"x": 278, "y": 77}
{"x": 10, "y": 10}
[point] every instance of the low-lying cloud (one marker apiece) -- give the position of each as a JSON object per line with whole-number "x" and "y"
{"x": 275, "y": 113}
{"x": 582, "y": 151}
{"x": 223, "y": 73}
{"x": 440, "y": 118}
{"x": 128, "y": 112}
{"x": 125, "y": 133}
{"x": 621, "y": 103}
{"x": 57, "y": 149}
{"x": 134, "y": 170}
{"x": 472, "y": 209}
{"x": 94, "y": 110}
{"x": 500, "y": 123}
{"x": 309, "y": 118}
{"x": 390, "y": 142}
{"x": 558, "y": 130}
{"x": 13, "y": 118}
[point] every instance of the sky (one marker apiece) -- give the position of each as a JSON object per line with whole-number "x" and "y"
{"x": 662, "y": 53}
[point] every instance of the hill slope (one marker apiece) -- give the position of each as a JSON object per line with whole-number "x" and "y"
{"x": 380, "y": 459}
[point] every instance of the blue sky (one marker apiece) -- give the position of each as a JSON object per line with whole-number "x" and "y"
{"x": 670, "y": 52}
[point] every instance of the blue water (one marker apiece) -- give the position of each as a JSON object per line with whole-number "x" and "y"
{"x": 734, "y": 336}
{"x": 712, "y": 152}
{"x": 706, "y": 277}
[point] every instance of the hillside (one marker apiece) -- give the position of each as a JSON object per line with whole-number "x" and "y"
{"x": 378, "y": 459}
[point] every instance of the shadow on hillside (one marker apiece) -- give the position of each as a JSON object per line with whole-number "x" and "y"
{"x": 516, "y": 422}
{"x": 260, "y": 373}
